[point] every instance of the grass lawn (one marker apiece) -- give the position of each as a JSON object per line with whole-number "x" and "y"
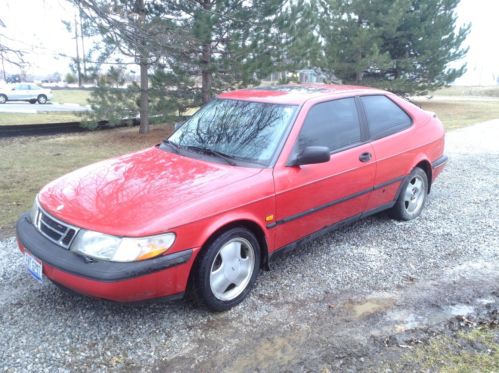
{"x": 491, "y": 91}
{"x": 475, "y": 350}
{"x": 71, "y": 96}
{"x": 28, "y": 163}
{"x": 460, "y": 113}
{"x": 62, "y": 96}
{"x": 26, "y": 118}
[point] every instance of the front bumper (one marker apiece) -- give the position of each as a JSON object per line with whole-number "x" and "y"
{"x": 163, "y": 276}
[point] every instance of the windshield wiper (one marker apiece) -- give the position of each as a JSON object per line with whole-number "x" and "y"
{"x": 227, "y": 158}
{"x": 175, "y": 146}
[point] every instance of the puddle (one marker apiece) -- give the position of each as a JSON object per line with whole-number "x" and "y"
{"x": 485, "y": 301}
{"x": 271, "y": 353}
{"x": 406, "y": 320}
{"x": 461, "y": 310}
{"x": 371, "y": 306}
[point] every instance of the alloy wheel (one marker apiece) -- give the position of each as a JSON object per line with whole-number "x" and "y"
{"x": 414, "y": 194}
{"x": 232, "y": 269}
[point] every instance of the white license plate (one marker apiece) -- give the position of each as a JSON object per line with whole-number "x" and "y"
{"x": 34, "y": 266}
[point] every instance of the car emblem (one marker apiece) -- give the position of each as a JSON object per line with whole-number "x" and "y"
{"x": 60, "y": 207}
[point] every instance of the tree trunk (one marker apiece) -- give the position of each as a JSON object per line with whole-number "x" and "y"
{"x": 144, "y": 79}
{"x": 144, "y": 96}
{"x": 358, "y": 76}
{"x": 206, "y": 74}
{"x": 207, "y": 78}
{"x": 359, "y": 69}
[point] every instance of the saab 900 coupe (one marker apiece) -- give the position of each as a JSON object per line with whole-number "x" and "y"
{"x": 252, "y": 173}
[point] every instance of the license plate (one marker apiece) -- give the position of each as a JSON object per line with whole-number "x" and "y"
{"x": 34, "y": 266}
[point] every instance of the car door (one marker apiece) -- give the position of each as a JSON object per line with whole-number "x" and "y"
{"x": 389, "y": 127}
{"x": 315, "y": 196}
{"x": 32, "y": 91}
{"x": 19, "y": 92}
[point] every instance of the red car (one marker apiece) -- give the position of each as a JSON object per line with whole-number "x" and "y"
{"x": 253, "y": 173}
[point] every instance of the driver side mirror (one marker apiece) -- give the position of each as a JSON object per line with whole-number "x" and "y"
{"x": 311, "y": 155}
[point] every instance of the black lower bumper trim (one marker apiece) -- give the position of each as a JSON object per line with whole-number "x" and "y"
{"x": 166, "y": 299}
{"x": 105, "y": 271}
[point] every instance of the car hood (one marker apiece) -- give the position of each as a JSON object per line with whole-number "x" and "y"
{"x": 127, "y": 195}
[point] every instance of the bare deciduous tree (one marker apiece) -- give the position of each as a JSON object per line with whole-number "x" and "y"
{"x": 8, "y": 53}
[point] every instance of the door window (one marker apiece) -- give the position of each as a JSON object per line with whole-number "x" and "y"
{"x": 384, "y": 116}
{"x": 334, "y": 124}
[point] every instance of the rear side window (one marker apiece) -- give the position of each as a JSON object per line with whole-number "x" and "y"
{"x": 384, "y": 117}
{"x": 334, "y": 124}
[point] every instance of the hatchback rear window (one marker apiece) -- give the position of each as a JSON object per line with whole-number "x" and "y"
{"x": 384, "y": 117}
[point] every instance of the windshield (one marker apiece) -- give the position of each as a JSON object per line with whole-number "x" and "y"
{"x": 242, "y": 130}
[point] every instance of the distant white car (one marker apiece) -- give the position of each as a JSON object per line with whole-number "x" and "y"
{"x": 25, "y": 92}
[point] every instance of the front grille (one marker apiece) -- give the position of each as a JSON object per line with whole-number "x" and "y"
{"x": 55, "y": 230}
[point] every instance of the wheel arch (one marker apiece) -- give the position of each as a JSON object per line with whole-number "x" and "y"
{"x": 250, "y": 225}
{"x": 244, "y": 222}
{"x": 425, "y": 165}
{"x": 421, "y": 161}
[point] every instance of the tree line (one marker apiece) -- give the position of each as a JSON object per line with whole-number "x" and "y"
{"x": 189, "y": 50}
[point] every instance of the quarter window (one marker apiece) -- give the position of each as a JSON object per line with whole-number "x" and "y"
{"x": 384, "y": 117}
{"x": 334, "y": 124}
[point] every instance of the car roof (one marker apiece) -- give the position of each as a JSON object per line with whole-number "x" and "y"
{"x": 295, "y": 93}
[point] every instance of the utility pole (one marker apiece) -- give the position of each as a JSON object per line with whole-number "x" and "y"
{"x": 1, "y": 54}
{"x": 77, "y": 53}
{"x": 3, "y": 68}
{"x": 83, "y": 49}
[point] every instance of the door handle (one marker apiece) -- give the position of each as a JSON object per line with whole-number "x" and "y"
{"x": 365, "y": 157}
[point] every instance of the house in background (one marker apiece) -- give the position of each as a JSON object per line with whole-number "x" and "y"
{"x": 309, "y": 75}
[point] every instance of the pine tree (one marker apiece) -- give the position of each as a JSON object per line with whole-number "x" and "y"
{"x": 134, "y": 29}
{"x": 110, "y": 102}
{"x": 225, "y": 47}
{"x": 405, "y": 46}
{"x": 292, "y": 41}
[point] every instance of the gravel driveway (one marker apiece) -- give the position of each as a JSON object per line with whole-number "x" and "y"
{"x": 332, "y": 304}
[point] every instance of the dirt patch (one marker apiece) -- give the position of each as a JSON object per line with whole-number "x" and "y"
{"x": 370, "y": 306}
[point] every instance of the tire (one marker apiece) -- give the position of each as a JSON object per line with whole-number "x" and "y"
{"x": 412, "y": 196}
{"x": 32, "y": 101}
{"x": 226, "y": 270}
{"x": 3, "y": 99}
{"x": 42, "y": 99}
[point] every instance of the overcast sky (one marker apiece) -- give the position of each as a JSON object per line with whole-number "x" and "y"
{"x": 35, "y": 26}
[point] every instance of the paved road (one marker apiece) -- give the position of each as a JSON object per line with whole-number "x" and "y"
{"x": 22, "y": 107}
{"x": 348, "y": 301}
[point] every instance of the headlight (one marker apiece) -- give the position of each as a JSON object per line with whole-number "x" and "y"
{"x": 105, "y": 247}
